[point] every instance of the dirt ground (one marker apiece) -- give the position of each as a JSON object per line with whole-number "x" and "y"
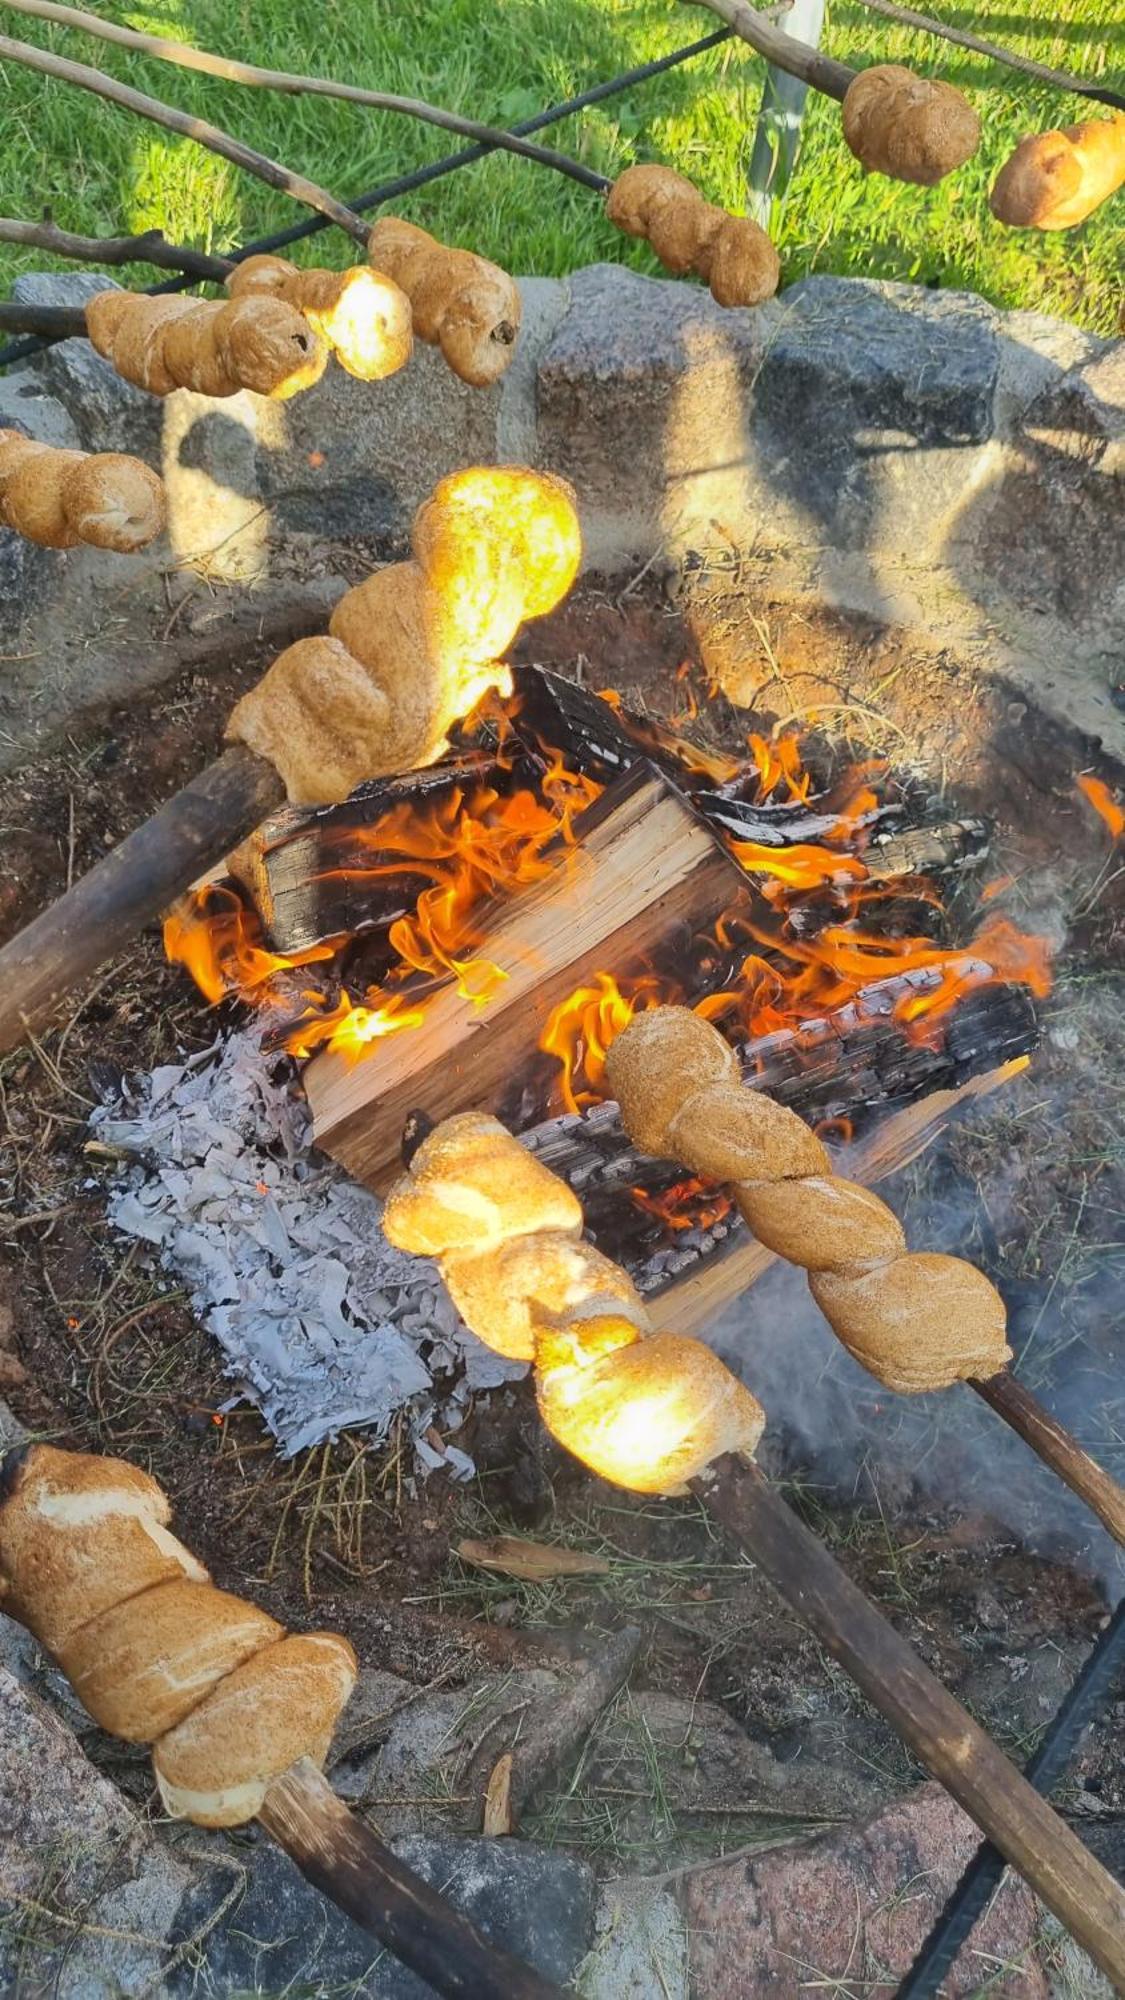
{"x": 94, "y": 1354}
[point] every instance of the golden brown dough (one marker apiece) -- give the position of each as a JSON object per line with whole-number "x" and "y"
{"x": 212, "y": 346}
{"x": 459, "y": 301}
{"x": 155, "y": 1652}
{"x": 729, "y": 252}
{"x": 914, "y": 128}
{"x": 413, "y": 649}
{"x": 58, "y": 498}
{"x": 915, "y": 1320}
{"x": 528, "y": 1279}
{"x": 1054, "y": 180}
{"x": 362, "y": 316}
{"x": 471, "y": 1186}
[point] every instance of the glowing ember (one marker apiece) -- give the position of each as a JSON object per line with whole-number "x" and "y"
{"x": 688, "y": 1204}
{"x": 1103, "y": 802}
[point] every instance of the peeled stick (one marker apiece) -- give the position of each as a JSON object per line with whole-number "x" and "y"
{"x": 1054, "y": 180}
{"x": 155, "y": 1653}
{"x": 648, "y": 1411}
{"x": 413, "y": 649}
{"x": 729, "y": 252}
{"x": 213, "y": 346}
{"x": 59, "y": 498}
{"x": 914, "y": 1319}
{"x": 460, "y": 302}
{"x": 362, "y": 316}
{"x": 914, "y": 128}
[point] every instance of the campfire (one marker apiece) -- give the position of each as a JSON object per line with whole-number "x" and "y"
{"x": 476, "y": 935}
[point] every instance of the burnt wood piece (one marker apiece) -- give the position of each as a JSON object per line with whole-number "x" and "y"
{"x": 341, "y": 1856}
{"x": 103, "y": 912}
{"x": 936, "y": 1728}
{"x": 317, "y": 875}
{"x": 641, "y": 864}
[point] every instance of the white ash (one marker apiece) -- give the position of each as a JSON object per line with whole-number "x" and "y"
{"x": 323, "y": 1324}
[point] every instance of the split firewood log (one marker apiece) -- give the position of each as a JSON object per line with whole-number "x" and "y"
{"x": 461, "y": 303}
{"x": 213, "y": 346}
{"x": 644, "y": 1410}
{"x": 729, "y": 252}
{"x": 914, "y": 128}
{"x": 414, "y": 648}
{"x": 362, "y": 316}
{"x": 1054, "y": 180}
{"x": 59, "y": 498}
{"x": 915, "y": 1319}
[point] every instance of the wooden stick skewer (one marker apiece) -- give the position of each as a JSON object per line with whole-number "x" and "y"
{"x": 173, "y": 120}
{"x": 942, "y": 1734}
{"x": 820, "y": 72}
{"x": 285, "y": 81}
{"x": 151, "y": 247}
{"x": 350, "y": 1865}
{"x": 133, "y": 884}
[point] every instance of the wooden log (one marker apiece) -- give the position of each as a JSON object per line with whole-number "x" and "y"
{"x": 934, "y": 1726}
{"x": 348, "y": 1863}
{"x": 154, "y": 864}
{"x": 642, "y": 862}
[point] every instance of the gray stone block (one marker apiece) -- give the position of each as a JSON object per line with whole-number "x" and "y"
{"x": 108, "y": 414}
{"x": 284, "y": 1936}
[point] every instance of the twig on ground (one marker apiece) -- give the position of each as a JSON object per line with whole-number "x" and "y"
{"x": 151, "y": 247}
{"x": 233, "y": 71}
{"x": 1060, "y": 78}
{"x": 173, "y": 120}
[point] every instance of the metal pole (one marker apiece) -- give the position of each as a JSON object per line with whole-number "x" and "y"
{"x": 777, "y": 139}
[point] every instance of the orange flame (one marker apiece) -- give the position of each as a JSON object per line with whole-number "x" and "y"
{"x": 219, "y": 940}
{"x": 689, "y": 1204}
{"x": 1103, "y": 802}
{"x": 580, "y": 1029}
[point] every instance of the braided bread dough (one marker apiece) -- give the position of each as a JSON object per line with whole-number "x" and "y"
{"x": 729, "y": 252}
{"x": 361, "y": 316}
{"x": 916, "y": 1320}
{"x": 413, "y": 649}
{"x": 58, "y": 498}
{"x": 460, "y": 302}
{"x": 213, "y": 346}
{"x": 154, "y": 1652}
{"x": 1054, "y": 180}
{"x": 647, "y": 1413}
{"x": 914, "y": 128}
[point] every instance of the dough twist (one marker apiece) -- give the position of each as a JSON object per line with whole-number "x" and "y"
{"x": 915, "y": 1319}
{"x": 460, "y": 302}
{"x": 58, "y": 498}
{"x": 363, "y": 317}
{"x": 213, "y": 346}
{"x": 152, "y": 1649}
{"x": 1054, "y": 180}
{"x": 646, "y": 1411}
{"x": 729, "y": 252}
{"x": 913, "y": 128}
{"x": 414, "y": 648}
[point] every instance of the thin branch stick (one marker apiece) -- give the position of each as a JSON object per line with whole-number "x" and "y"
{"x": 50, "y": 322}
{"x": 1060, "y": 78}
{"x": 941, "y": 1733}
{"x": 173, "y": 120}
{"x": 341, "y": 1856}
{"x": 783, "y": 51}
{"x": 233, "y": 71}
{"x": 1057, "y": 1448}
{"x": 150, "y": 248}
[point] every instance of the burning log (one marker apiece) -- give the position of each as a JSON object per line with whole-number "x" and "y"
{"x": 644, "y": 863}
{"x": 914, "y": 1319}
{"x": 655, "y": 1411}
{"x": 239, "y": 1714}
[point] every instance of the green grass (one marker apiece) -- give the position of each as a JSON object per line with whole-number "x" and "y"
{"x": 101, "y": 170}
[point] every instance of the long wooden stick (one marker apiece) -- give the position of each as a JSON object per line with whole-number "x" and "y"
{"x": 233, "y": 71}
{"x": 820, "y": 72}
{"x": 942, "y": 1734}
{"x": 52, "y": 322}
{"x": 173, "y": 120}
{"x": 1056, "y": 1446}
{"x": 908, "y": 17}
{"x": 152, "y": 247}
{"x": 339, "y": 1853}
{"x": 134, "y": 883}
